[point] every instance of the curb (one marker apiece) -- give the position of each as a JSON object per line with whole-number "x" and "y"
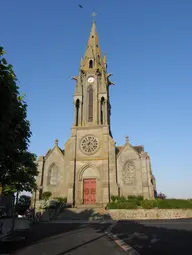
{"x": 78, "y": 221}
{"x": 127, "y": 248}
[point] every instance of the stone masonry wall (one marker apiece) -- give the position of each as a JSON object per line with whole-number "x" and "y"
{"x": 145, "y": 214}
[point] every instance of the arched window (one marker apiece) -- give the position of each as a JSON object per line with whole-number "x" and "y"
{"x": 90, "y": 104}
{"x": 102, "y": 110}
{"x": 98, "y": 59}
{"x": 53, "y": 175}
{"x": 77, "y": 112}
{"x": 128, "y": 173}
{"x": 91, "y": 63}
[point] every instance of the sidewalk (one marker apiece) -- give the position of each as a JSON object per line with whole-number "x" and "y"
{"x": 20, "y": 224}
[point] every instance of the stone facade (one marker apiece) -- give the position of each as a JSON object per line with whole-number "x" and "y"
{"x": 91, "y": 153}
{"x": 146, "y": 214}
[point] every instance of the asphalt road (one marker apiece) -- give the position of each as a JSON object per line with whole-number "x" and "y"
{"x": 60, "y": 239}
{"x": 157, "y": 237}
{"x": 162, "y": 237}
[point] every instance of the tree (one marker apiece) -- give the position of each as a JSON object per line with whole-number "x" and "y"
{"x": 17, "y": 166}
{"x": 23, "y": 204}
{"x": 161, "y": 196}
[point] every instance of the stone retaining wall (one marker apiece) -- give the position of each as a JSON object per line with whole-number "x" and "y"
{"x": 144, "y": 214}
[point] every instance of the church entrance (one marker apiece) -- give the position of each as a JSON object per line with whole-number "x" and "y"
{"x": 89, "y": 191}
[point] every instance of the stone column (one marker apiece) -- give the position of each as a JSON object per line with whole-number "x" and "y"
{"x": 105, "y": 111}
{"x": 75, "y": 112}
{"x": 99, "y": 113}
{"x": 80, "y": 107}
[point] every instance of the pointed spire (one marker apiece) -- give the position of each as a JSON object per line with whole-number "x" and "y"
{"x": 127, "y": 139}
{"x": 105, "y": 59}
{"x": 56, "y": 142}
{"x": 81, "y": 62}
{"x": 93, "y": 52}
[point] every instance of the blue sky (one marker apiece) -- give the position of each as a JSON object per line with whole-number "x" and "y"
{"x": 149, "y": 51}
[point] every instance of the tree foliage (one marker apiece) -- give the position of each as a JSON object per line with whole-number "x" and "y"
{"x": 17, "y": 166}
{"x": 46, "y": 195}
{"x": 161, "y": 196}
{"x": 23, "y": 204}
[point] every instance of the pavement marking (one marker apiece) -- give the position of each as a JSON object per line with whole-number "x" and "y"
{"x": 127, "y": 248}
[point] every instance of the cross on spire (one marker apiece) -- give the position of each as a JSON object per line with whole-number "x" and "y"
{"x": 93, "y": 14}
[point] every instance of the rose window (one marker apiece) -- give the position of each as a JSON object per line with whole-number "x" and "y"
{"x": 89, "y": 144}
{"x": 129, "y": 173}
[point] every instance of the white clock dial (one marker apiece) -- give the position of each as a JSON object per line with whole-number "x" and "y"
{"x": 90, "y": 79}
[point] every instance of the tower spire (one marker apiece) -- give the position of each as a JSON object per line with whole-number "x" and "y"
{"x": 93, "y": 56}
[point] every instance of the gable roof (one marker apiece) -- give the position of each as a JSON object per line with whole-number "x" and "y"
{"x": 118, "y": 149}
{"x": 138, "y": 148}
{"x": 51, "y": 150}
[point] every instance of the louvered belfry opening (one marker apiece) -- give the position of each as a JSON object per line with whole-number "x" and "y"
{"x": 102, "y": 110}
{"x": 77, "y": 111}
{"x": 90, "y": 104}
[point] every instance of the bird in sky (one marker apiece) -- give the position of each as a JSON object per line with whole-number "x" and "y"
{"x": 80, "y": 6}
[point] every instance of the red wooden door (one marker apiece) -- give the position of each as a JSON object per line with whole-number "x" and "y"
{"x": 89, "y": 191}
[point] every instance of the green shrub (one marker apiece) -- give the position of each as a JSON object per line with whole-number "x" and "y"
{"x": 133, "y": 202}
{"x": 112, "y": 205}
{"x": 61, "y": 200}
{"x": 174, "y": 204}
{"x": 149, "y": 204}
{"x": 121, "y": 199}
{"x": 136, "y": 199}
{"x": 114, "y": 198}
{"x": 122, "y": 205}
{"x": 46, "y": 195}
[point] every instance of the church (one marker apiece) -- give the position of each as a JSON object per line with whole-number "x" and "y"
{"x": 91, "y": 168}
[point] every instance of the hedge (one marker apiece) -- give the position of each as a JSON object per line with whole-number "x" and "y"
{"x": 122, "y": 205}
{"x": 136, "y": 202}
{"x": 174, "y": 204}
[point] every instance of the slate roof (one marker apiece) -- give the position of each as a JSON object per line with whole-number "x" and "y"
{"x": 139, "y": 149}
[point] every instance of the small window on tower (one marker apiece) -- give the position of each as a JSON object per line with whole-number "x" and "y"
{"x": 91, "y": 63}
{"x": 102, "y": 109}
{"x": 77, "y": 111}
{"x": 98, "y": 58}
{"x": 90, "y": 104}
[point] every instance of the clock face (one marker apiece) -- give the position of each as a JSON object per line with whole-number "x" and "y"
{"x": 90, "y": 79}
{"x": 89, "y": 144}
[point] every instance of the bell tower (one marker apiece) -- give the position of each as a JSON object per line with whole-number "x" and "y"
{"x": 90, "y": 151}
{"x": 91, "y": 98}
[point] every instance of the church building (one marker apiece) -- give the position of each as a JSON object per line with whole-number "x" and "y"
{"x": 91, "y": 168}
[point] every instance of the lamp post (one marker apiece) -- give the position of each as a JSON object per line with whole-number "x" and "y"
{"x": 34, "y": 205}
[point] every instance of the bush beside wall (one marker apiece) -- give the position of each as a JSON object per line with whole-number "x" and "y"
{"x": 137, "y": 202}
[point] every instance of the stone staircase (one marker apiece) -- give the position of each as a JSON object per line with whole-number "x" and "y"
{"x": 83, "y": 213}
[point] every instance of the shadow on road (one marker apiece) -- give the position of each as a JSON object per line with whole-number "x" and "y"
{"x": 147, "y": 237}
{"x": 156, "y": 237}
{"x": 45, "y": 232}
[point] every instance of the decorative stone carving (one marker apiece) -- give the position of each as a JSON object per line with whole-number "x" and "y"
{"x": 89, "y": 144}
{"x": 129, "y": 173}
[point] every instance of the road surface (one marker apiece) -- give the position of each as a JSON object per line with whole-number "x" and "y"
{"x": 157, "y": 237}
{"x": 163, "y": 237}
{"x": 62, "y": 238}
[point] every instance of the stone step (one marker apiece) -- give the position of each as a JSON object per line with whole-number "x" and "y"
{"x": 83, "y": 214}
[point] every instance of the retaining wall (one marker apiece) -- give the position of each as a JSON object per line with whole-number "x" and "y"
{"x": 143, "y": 214}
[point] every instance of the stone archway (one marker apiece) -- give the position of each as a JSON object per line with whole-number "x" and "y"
{"x": 89, "y": 185}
